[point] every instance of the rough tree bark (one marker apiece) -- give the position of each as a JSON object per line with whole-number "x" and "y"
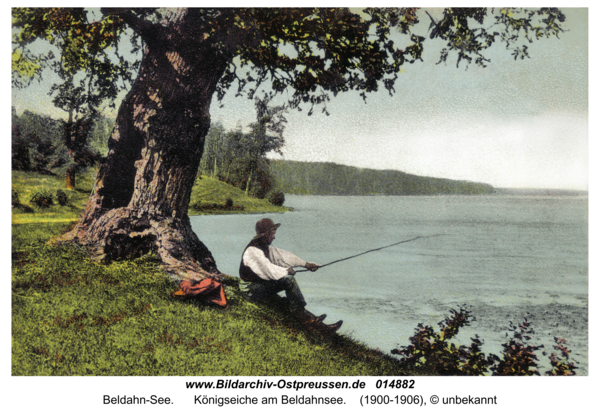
{"x": 142, "y": 190}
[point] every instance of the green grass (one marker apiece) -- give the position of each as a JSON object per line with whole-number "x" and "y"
{"x": 27, "y": 183}
{"x": 72, "y": 316}
{"x": 206, "y": 191}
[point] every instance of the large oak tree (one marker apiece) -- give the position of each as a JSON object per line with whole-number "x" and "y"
{"x": 142, "y": 190}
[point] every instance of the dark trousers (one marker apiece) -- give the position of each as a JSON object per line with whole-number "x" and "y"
{"x": 264, "y": 290}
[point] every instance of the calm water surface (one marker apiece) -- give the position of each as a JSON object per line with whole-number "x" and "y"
{"x": 505, "y": 256}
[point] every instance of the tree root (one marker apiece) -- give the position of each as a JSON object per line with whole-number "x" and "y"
{"x": 125, "y": 233}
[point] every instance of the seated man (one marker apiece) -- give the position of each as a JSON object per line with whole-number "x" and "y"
{"x": 266, "y": 271}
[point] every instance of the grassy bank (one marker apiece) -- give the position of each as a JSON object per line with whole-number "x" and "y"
{"x": 209, "y": 196}
{"x": 26, "y": 184}
{"x": 71, "y": 316}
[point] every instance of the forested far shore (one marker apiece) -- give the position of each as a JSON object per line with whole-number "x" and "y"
{"x": 317, "y": 178}
{"x": 39, "y": 145}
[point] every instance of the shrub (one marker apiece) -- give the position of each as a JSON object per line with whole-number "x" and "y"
{"x": 518, "y": 357}
{"x": 561, "y": 365}
{"x": 14, "y": 198}
{"x": 263, "y": 184}
{"x": 277, "y": 198}
{"x": 42, "y": 199}
{"x": 432, "y": 352}
{"x": 20, "y": 156}
{"x": 61, "y": 197}
{"x": 228, "y": 202}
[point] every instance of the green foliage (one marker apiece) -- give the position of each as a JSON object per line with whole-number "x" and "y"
{"x": 84, "y": 45}
{"x": 74, "y": 317}
{"x": 99, "y": 135}
{"x": 470, "y": 42}
{"x": 20, "y": 147}
{"x": 42, "y": 199}
{"x": 314, "y": 51}
{"x": 237, "y": 159}
{"x": 30, "y": 123}
{"x": 240, "y": 159}
{"x": 88, "y": 71}
{"x": 332, "y": 49}
{"x": 25, "y": 67}
{"x": 39, "y": 144}
{"x": 294, "y": 177}
{"x": 36, "y": 143}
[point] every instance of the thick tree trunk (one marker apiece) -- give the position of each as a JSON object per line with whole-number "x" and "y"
{"x": 142, "y": 190}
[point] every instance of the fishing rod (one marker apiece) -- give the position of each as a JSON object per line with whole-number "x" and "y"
{"x": 372, "y": 250}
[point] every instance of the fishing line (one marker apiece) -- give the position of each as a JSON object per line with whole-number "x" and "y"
{"x": 372, "y": 250}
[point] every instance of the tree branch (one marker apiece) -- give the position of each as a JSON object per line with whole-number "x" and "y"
{"x": 134, "y": 17}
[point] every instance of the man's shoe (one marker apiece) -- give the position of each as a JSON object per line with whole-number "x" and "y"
{"x": 330, "y": 329}
{"x": 313, "y": 320}
{"x": 306, "y": 318}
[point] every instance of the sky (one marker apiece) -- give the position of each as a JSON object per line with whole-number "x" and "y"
{"x": 517, "y": 123}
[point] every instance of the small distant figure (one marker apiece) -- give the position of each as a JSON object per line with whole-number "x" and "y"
{"x": 266, "y": 271}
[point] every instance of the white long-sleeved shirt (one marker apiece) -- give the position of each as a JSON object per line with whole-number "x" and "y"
{"x": 274, "y": 267}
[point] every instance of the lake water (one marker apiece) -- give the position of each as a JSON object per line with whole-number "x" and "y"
{"x": 505, "y": 256}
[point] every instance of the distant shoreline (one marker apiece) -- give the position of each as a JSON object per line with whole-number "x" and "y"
{"x": 331, "y": 179}
{"x": 539, "y": 192}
